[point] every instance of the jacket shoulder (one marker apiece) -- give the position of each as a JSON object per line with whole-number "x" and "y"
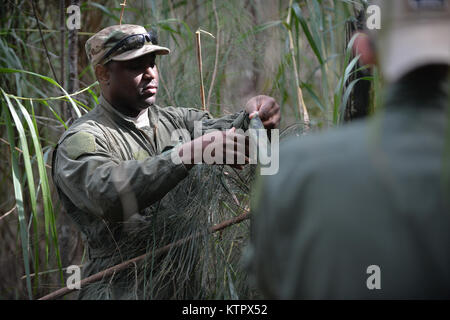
{"x": 332, "y": 147}
{"x": 89, "y": 123}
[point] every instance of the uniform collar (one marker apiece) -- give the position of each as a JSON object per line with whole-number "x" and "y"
{"x": 153, "y": 114}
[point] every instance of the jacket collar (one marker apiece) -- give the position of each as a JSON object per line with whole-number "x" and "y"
{"x": 153, "y": 114}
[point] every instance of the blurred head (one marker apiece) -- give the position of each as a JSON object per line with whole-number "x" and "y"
{"x": 413, "y": 34}
{"x": 123, "y": 58}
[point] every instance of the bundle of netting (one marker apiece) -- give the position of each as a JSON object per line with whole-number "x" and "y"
{"x": 184, "y": 257}
{"x": 189, "y": 244}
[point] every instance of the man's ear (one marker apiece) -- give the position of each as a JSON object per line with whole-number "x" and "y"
{"x": 364, "y": 47}
{"x": 102, "y": 73}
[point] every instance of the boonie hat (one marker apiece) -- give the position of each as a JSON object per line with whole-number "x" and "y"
{"x": 121, "y": 43}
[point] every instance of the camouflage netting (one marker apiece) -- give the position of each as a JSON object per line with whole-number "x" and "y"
{"x": 207, "y": 265}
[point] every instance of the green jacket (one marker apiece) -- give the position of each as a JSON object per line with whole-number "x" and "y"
{"x": 373, "y": 192}
{"x": 107, "y": 171}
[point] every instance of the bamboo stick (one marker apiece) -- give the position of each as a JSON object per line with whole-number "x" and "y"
{"x": 200, "y": 68}
{"x": 99, "y": 276}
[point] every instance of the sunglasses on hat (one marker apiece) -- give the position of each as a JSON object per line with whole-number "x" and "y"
{"x": 132, "y": 42}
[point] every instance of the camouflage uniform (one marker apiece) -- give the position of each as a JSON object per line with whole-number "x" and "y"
{"x": 109, "y": 173}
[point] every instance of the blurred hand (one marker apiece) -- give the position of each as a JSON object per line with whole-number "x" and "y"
{"x": 267, "y": 109}
{"x": 363, "y": 47}
{"x": 233, "y": 146}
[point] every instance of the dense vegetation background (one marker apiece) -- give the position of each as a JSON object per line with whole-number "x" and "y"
{"x": 296, "y": 51}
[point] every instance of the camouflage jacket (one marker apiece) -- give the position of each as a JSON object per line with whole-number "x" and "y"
{"x": 108, "y": 171}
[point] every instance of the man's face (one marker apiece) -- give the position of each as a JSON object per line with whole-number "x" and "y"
{"x": 133, "y": 84}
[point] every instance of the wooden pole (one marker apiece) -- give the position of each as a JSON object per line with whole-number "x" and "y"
{"x": 200, "y": 68}
{"x": 99, "y": 276}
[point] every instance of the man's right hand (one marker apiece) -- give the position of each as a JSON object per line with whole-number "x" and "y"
{"x": 232, "y": 149}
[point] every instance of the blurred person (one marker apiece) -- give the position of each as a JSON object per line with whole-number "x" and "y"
{"x": 364, "y": 211}
{"x": 115, "y": 164}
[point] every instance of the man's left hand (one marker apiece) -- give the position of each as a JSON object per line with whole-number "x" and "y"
{"x": 267, "y": 109}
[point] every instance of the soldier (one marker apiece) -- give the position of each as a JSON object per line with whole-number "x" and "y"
{"x": 116, "y": 161}
{"x": 365, "y": 209}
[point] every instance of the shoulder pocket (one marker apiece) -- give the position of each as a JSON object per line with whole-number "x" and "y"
{"x": 80, "y": 143}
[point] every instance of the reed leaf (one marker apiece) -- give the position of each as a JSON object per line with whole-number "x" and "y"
{"x": 48, "y": 79}
{"x": 18, "y": 193}
{"x": 312, "y": 42}
{"x": 50, "y": 223}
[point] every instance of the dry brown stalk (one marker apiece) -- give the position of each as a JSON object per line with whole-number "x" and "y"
{"x": 99, "y": 276}
{"x": 124, "y": 4}
{"x": 216, "y": 61}
{"x": 200, "y": 68}
{"x": 9, "y": 211}
{"x": 20, "y": 150}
